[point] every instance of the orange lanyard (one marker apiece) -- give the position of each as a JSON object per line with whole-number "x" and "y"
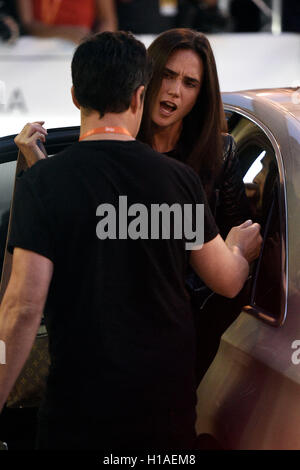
{"x": 50, "y": 9}
{"x": 106, "y": 130}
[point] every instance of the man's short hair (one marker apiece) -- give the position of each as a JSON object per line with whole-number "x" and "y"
{"x": 106, "y": 70}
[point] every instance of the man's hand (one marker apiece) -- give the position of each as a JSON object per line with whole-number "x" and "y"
{"x": 26, "y": 141}
{"x": 246, "y": 238}
{"x": 224, "y": 267}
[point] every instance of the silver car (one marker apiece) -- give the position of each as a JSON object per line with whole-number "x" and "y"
{"x": 249, "y": 397}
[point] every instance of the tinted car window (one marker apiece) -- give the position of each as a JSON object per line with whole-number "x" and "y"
{"x": 7, "y": 175}
{"x": 262, "y": 184}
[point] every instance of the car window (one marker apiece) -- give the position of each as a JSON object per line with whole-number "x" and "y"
{"x": 57, "y": 140}
{"x": 259, "y": 165}
{"x": 7, "y": 176}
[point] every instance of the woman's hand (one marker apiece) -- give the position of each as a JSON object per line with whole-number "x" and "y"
{"x": 27, "y": 141}
{"x": 13, "y": 28}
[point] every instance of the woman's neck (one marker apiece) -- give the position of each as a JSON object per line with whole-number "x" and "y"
{"x": 166, "y": 138}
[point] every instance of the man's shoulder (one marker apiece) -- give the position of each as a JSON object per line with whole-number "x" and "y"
{"x": 183, "y": 171}
{"x": 51, "y": 165}
{"x": 170, "y": 164}
{"x": 59, "y": 166}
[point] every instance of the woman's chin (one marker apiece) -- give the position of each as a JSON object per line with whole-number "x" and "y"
{"x": 164, "y": 121}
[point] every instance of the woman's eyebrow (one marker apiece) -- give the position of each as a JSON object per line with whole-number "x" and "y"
{"x": 171, "y": 72}
{"x": 175, "y": 74}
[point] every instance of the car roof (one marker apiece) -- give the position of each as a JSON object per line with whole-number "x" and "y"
{"x": 284, "y": 101}
{"x": 278, "y": 110}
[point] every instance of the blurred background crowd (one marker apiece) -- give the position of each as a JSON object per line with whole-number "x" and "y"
{"x": 74, "y": 19}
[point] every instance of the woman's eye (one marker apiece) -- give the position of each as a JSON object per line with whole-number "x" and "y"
{"x": 190, "y": 84}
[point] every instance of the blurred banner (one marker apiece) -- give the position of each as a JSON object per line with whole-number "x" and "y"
{"x": 35, "y": 75}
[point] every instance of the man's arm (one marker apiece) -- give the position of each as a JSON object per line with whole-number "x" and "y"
{"x": 20, "y": 313}
{"x": 224, "y": 266}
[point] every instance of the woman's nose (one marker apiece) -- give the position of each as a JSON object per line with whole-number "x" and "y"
{"x": 174, "y": 87}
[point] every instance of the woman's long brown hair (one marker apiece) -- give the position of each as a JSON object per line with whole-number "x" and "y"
{"x": 200, "y": 142}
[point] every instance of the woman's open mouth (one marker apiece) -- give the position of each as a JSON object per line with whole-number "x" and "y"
{"x": 167, "y": 108}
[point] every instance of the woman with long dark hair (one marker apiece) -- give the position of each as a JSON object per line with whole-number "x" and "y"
{"x": 184, "y": 119}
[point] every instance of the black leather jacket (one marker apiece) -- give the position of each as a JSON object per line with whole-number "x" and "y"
{"x": 230, "y": 207}
{"x": 229, "y": 202}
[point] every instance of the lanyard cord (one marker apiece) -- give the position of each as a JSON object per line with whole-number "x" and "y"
{"x": 105, "y": 130}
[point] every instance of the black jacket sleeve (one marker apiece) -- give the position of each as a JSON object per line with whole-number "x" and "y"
{"x": 232, "y": 204}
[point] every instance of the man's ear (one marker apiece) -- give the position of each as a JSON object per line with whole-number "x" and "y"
{"x": 137, "y": 99}
{"x": 74, "y": 99}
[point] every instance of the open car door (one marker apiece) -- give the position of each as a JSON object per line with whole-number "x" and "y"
{"x": 18, "y": 419}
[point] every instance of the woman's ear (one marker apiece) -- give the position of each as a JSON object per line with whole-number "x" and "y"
{"x": 74, "y": 99}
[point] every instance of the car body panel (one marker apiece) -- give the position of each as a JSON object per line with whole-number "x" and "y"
{"x": 250, "y": 395}
{"x": 248, "y": 399}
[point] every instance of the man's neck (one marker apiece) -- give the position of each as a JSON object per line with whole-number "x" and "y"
{"x": 116, "y": 123}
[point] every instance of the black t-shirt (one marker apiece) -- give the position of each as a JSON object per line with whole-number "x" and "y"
{"x": 118, "y": 315}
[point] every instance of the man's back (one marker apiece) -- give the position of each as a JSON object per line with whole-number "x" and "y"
{"x": 118, "y": 314}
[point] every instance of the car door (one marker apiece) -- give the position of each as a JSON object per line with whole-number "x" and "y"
{"x": 262, "y": 171}
{"x": 18, "y": 419}
{"x": 235, "y": 393}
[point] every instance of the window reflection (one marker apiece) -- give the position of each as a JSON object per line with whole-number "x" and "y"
{"x": 254, "y": 169}
{"x": 7, "y": 175}
{"x": 262, "y": 185}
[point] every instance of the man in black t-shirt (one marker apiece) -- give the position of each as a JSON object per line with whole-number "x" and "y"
{"x": 86, "y": 242}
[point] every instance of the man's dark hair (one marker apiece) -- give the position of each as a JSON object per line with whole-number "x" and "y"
{"x": 106, "y": 70}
